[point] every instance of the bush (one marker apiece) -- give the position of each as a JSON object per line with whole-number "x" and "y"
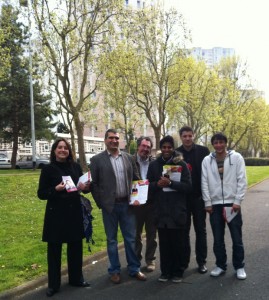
{"x": 254, "y": 161}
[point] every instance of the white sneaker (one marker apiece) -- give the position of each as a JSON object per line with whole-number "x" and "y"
{"x": 216, "y": 272}
{"x": 241, "y": 274}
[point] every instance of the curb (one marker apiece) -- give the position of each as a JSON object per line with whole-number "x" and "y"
{"x": 36, "y": 283}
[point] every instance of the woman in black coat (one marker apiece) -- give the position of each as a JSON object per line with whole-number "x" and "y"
{"x": 168, "y": 189}
{"x": 63, "y": 221}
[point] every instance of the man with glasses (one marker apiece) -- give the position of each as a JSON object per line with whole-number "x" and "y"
{"x": 112, "y": 173}
{"x": 144, "y": 212}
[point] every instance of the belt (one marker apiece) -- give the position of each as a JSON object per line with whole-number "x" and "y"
{"x": 121, "y": 199}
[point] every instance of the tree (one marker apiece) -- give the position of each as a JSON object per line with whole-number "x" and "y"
{"x": 195, "y": 103}
{"x": 15, "y": 93}
{"x": 72, "y": 34}
{"x": 4, "y": 53}
{"x": 146, "y": 62}
{"x": 235, "y": 100}
{"x": 255, "y": 142}
{"x": 117, "y": 92}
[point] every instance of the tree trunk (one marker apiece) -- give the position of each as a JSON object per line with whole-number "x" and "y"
{"x": 80, "y": 138}
{"x": 14, "y": 150}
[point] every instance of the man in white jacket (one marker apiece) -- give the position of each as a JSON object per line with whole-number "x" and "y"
{"x": 223, "y": 188}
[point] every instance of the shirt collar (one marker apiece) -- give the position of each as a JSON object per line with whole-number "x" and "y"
{"x": 139, "y": 159}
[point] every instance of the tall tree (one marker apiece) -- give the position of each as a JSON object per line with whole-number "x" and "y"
{"x": 72, "y": 34}
{"x": 15, "y": 93}
{"x": 150, "y": 56}
{"x": 235, "y": 100}
{"x": 118, "y": 94}
{"x": 195, "y": 103}
{"x": 4, "y": 52}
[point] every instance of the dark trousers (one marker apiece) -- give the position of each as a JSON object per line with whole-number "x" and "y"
{"x": 74, "y": 261}
{"x": 144, "y": 217}
{"x": 218, "y": 229}
{"x": 171, "y": 246}
{"x": 196, "y": 213}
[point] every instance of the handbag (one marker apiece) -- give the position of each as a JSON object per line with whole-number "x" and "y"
{"x": 87, "y": 220}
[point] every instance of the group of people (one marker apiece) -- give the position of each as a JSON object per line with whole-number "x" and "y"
{"x": 185, "y": 183}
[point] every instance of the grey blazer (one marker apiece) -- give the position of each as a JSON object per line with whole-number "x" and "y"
{"x": 104, "y": 179}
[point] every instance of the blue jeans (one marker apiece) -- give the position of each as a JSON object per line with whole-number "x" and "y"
{"x": 126, "y": 219}
{"x": 218, "y": 228}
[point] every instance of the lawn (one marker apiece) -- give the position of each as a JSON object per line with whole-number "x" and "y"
{"x": 22, "y": 253}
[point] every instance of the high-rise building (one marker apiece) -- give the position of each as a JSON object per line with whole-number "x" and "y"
{"x": 212, "y": 56}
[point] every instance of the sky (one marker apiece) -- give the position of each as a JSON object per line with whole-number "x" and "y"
{"x": 239, "y": 24}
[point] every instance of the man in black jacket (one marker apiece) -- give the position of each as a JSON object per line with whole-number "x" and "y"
{"x": 193, "y": 155}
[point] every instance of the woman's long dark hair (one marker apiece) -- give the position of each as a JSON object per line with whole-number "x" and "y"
{"x": 54, "y": 146}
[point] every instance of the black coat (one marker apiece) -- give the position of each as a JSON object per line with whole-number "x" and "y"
{"x": 196, "y": 154}
{"x": 169, "y": 207}
{"x": 63, "y": 217}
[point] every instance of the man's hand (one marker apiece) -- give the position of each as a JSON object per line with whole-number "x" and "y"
{"x": 236, "y": 208}
{"x": 209, "y": 209}
{"x": 163, "y": 182}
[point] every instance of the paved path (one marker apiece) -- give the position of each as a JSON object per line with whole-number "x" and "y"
{"x": 195, "y": 286}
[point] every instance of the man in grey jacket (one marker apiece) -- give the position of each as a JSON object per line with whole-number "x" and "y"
{"x": 223, "y": 187}
{"x": 112, "y": 173}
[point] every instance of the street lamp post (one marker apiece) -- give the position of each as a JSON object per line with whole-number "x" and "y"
{"x": 27, "y": 3}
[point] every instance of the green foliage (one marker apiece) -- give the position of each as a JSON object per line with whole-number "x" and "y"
{"x": 143, "y": 68}
{"x": 254, "y": 161}
{"x": 15, "y": 89}
{"x": 72, "y": 35}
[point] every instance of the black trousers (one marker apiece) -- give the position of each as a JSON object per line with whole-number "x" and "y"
{"x": 145, "y": 218}
{"x": 74, "y": 261}
{"x": 171, "y": 246}
{"x": 196, "y": 213}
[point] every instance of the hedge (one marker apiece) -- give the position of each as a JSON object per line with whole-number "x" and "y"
{"x": 254, "y": 161}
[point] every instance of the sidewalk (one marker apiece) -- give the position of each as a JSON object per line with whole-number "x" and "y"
{"x": 255, "y": 211}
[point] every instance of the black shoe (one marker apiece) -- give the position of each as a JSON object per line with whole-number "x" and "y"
{"x": 202, "y": 269}
{"x": 81, "y": 284}
{"x": 50, "y": 292}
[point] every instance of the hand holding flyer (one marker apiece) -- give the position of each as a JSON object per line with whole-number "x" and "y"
{"x": 229, "y": 214}
{"x": 69, "y": 184}
{"x": 84, "y": 178}
{"x": 139, "y": 194}
{"x": 174, "y": 173}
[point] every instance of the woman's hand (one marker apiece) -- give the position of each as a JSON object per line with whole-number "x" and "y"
{"x": 84, "y": 186}
{"x": 60, "y": 187}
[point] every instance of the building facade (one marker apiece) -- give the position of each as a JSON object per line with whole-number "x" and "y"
{"x": 212, "y": 56}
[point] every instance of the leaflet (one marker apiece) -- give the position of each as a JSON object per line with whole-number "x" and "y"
{"x": 173, "y": 172}
{"x": 84, "y": 178}
{"x": 139, "y": 194}
{"x": 229, "y": 213}
{"x": 69, "y": 184}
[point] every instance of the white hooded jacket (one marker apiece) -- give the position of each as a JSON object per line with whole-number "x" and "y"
{"x": 234, "y": 184}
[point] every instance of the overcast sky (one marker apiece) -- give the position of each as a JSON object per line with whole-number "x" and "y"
{"x": 239, "y": 24}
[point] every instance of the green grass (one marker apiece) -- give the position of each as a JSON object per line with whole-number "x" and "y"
{"x": 22, "y": 253}
{"x": 257, "y": 174}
